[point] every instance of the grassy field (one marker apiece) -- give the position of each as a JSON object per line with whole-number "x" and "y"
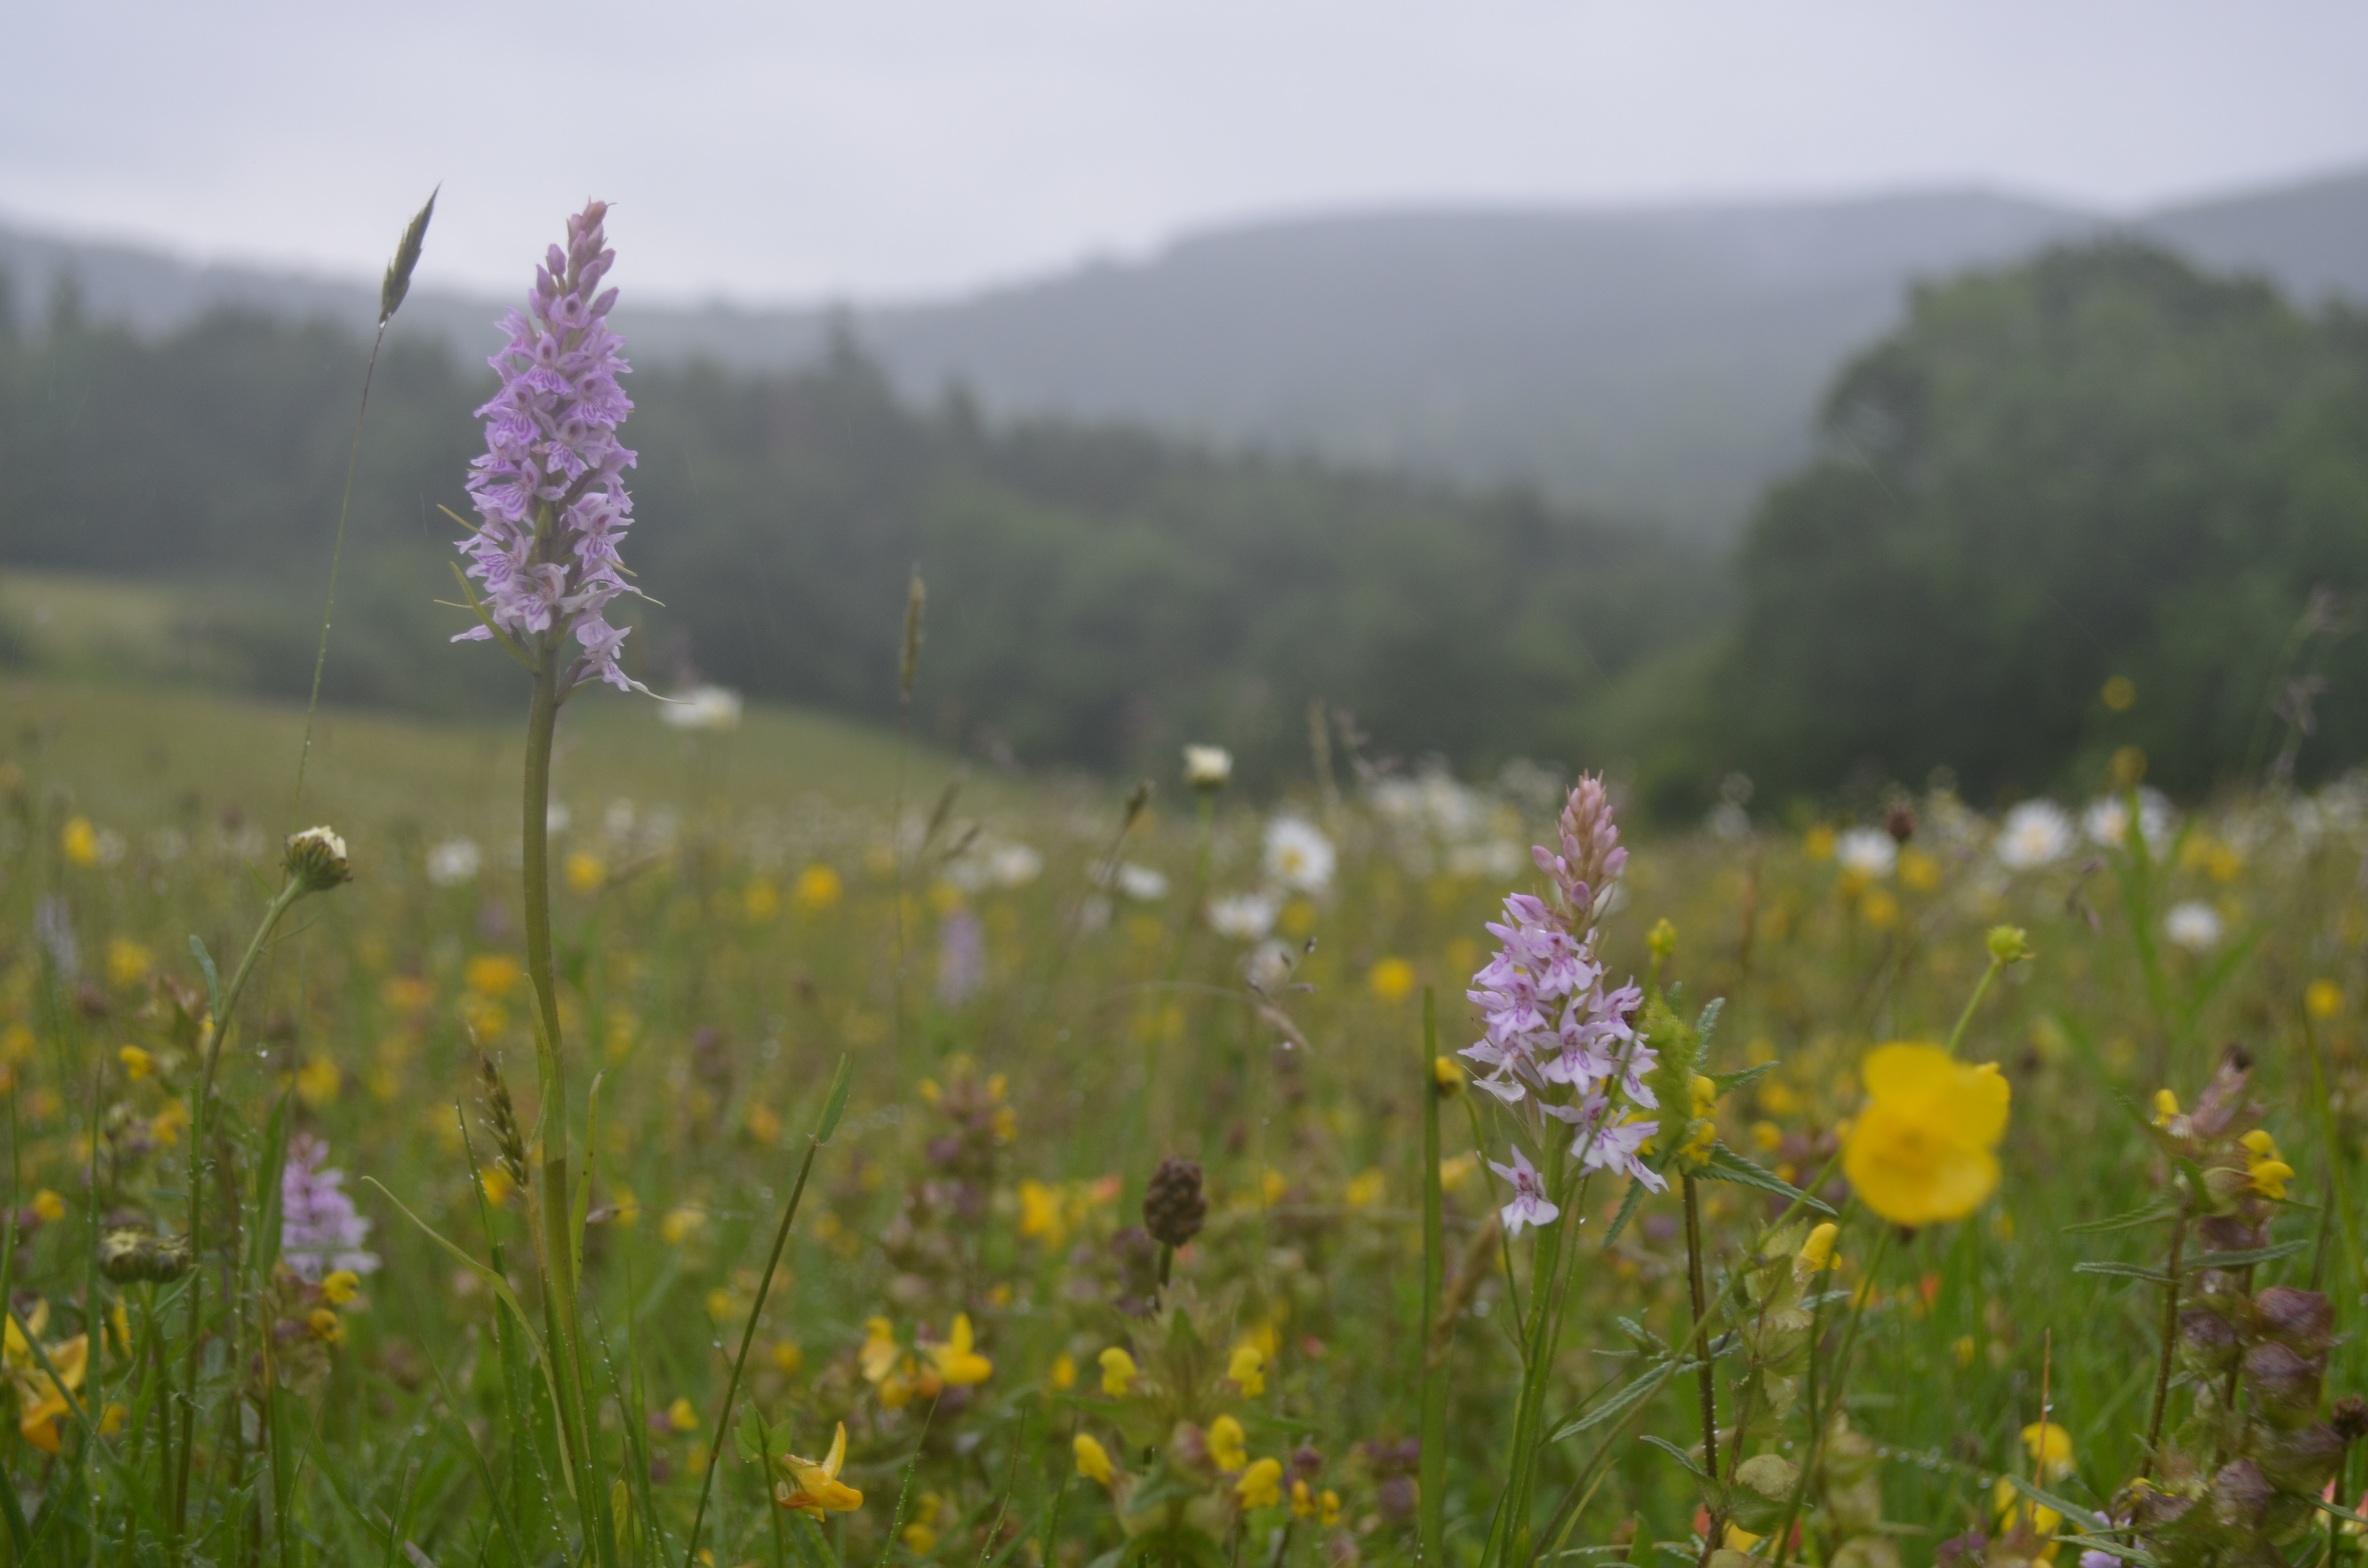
{"x": 1041, "y": 1000}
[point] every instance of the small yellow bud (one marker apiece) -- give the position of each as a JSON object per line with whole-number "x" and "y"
{"x": 2165, "y": 1106}
{"x": 1817, "y": 1252}
{"x": 1662, "y": 940}
{"x": 2010, "y": 943}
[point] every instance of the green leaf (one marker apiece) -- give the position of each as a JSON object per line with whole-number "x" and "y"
{"x": 1705, "y": 1025}
{"x": 835, "y": 1107}
{"x": 2246, "y": 1259}
{"x": 1676, "y": 1453}
{"x": 749, "y": 1437}
{"x": 582, "y": 1204}
{"x": 1628, "y": 1207}
{"x": 213, "y": 979}
{"x": 1726, "y": 1165}
{"x": 1632, "y": 1393}
{"x": 2123, "y": 1271}
{"x": 1730, "y": 1082}
{"x": 2087, "y": 1519}
{"x": 2149, "y": 1215}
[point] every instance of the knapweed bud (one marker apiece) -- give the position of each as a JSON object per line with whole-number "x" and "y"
{"x": 1900, "y": 821}
{"x": 1208, "y": 767}
{"x": 2349, "y": 1418}
{"x": 316, "y": 857}
{"x": 1173, "y": 1206}
{"x": 134, "y": 1254}
{"x": 2010, "y": 943}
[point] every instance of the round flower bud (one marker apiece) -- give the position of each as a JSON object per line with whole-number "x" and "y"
{"x": 1173, "y": 1206}
{"x": 1208, "y": 767}
{"x": 2010, "y": 943}
{"x": 133, "y": 1254}
{"x": 316, "y": 857}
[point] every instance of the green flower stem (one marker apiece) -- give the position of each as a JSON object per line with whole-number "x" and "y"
{"x": 1706, "y": 1372}
{"x": 225, "y": 1008}
{"x": 1974, "y": 1003}
{"x": 2169, "y": 1343}
{"x": 1432, "y": 1341}
{"x": 556, "y": 1251}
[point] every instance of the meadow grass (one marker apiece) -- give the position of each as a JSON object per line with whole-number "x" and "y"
{"x": 726, "y": 925}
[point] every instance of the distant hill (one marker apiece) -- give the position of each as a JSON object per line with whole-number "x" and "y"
{"x": 1664, "y": 363}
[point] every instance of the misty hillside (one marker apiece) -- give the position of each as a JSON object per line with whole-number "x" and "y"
{"x": 1665, "y": 363}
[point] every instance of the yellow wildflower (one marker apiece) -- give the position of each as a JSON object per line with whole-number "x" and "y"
{"x": 1228, "y": 1444}
{"x": 341, "y": 1286}
{"x": 1261, "y": 1484}
{"x": 1093, "y": 1459}
{"x": 680, "y": 1417}
{"x": 956, "y": 1362}
{"x": 2008, "y": 1502}
{"x": 2050, "y": 1448}
{"x": 128, "y": 963}
{"x": 818, "y": 888}
{"x": 1365, "y": 1191}
{"x": 788, "y": 1356}
{"x": 1119, "y": 1372}
{"x": 878, "y": 1357}
{"x": 1064, "y": 1375}
{"x": 497, "y": 1183}
{"x": 137, "y": 1064}
{"x": 491, "y": 975}
{"x": 326, "y": 1326}
{"x": 1879, "y": 909}
{"x": 79, "y": 841}
{"x": 1819, "y": 843}
{"x": 1918, "y": 870}
{"x": 1923, "y": 1150}
{"x": 1447, "y": 1074}
{"x": 1817, "y": 1252}
{"x": 40, "y": 1403}
{"x": 165, "y": 1126}
{"x": 317, "y": 1081}
{"x": 1457, "y": 1169}
{"x": 1662, "y": 939}
{"x": 1391, "y": 979}
{"x": 2264, "y": 1166}
{"x": 1040, "y": 1214}
{"x": 921, "y": 1534}
{"x": 586, "y": 874}
{"x": 114, "y": 1418}
{"x": 48, "y": 1205}
{"x": 2323, "y": 999}
{"x": 814, "y": 1489}
{"x": 2120, "y": 693}
{"x": 2165, "y": 1106}
{"x": 681, "y": 1225}
{"x": 1247, "y": 1370}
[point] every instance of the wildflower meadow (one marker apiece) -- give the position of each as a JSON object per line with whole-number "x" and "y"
{"x": 1392, "y": 1168}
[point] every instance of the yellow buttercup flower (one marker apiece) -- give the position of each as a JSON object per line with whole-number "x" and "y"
{"x": 814, "y": 1489}
{"x": 79, "y": 841}
{"x": 1228, "y": 1444}
{"x": 1261, "y": 1484}
{"x": 818, "y": 888}
{"x": 956, "y": 1362}
{"x": 1119, "y": 1372}
{"x": 1093, "y": 1459}
{"x": 1924, "y": 1148}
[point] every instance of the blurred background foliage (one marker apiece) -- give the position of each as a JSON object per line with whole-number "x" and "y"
{"x": 2100, "y": 463}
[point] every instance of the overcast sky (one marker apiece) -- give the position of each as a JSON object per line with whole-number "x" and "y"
{"x": 782, "y": 149}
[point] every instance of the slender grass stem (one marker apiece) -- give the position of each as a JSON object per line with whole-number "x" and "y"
{"x": 1432, "y": 1341}
{"x": 200, "y": 1123}
{"x": 836, "y": 1102}
{"x": 2169, "y": 1344}
{"x": 1706, "y": 1373}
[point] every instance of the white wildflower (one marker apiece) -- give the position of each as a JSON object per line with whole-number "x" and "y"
{"x": 2036, "y": 833}
{"x": 1298, "y": 855}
